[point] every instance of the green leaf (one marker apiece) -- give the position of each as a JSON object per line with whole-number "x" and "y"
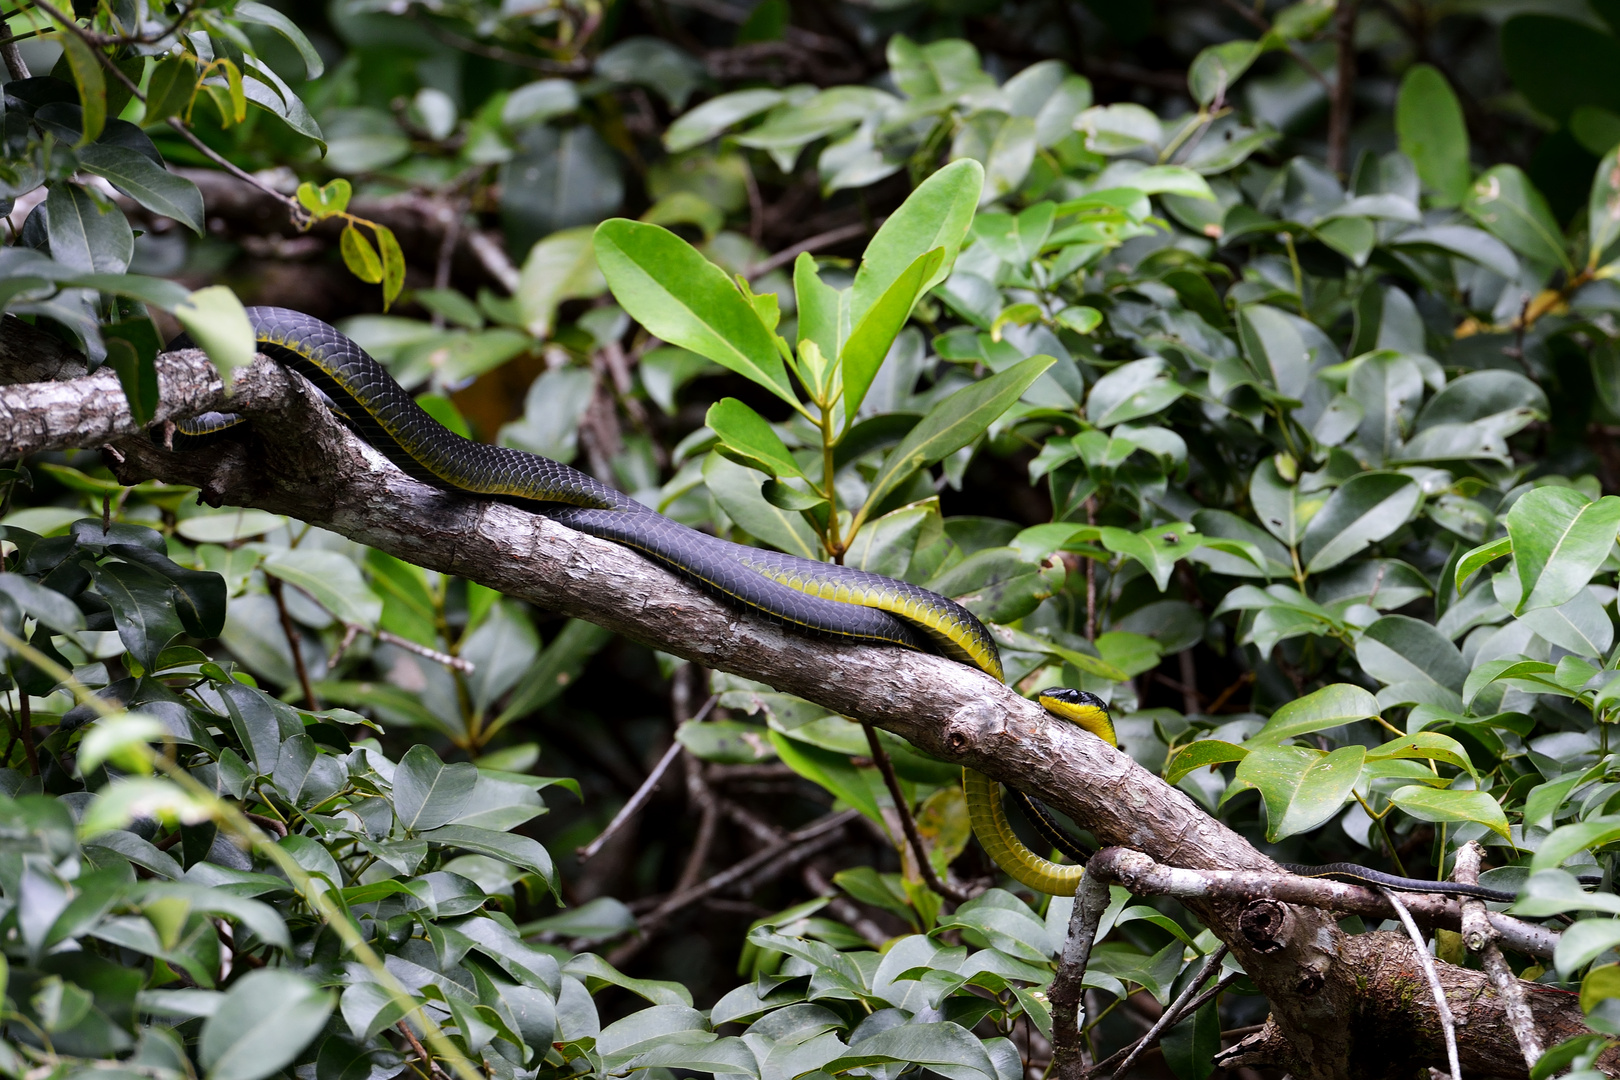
{"x": 137, "y": 374}
{"x": 218, "y": 323}
{"x": 1603, "y": 208}
{"x": 1217, "y": 67}
{"x": 749, "y": 439}
{"x": 1302, "y": 788}
{"x": 520, "y": 851}
{"x": 427, "y": 792}
{"x": 872, "y": 337}
{"x": 1157, "y": 549}
{"x": 1560, "y": 538}
{"x": 84, "y": 235}
{"x": 267, "y": 1018}
{"x": 393, "y": 264}
{"x": 1429, "y": 124}
{"x": 1330, "y": 707}
{"x": 143, "y": 609}
{"x": 829, "y": 770}
{"x": 1507, "y": 204}
{"x": 45, "y": 605}
{"x": 936, "y": 215}
{"x": 954, "y": 423}
{"x": 148, "y": 183}
{"x": 560, "y": 267}
{"x": 1584, "y": 942}
{"x": 737, "y": 489}
{"x": 332, "y": 580}
{"x": 944, "y": 1048}
{"x": 169, "y": 88}
{"x": 89, "y": 81}
{"x": 686, "y": 300}
{"x": 1399, "y": 649}
{"x": 1441, "y": 804}
{"x": 360, "y": 256}
{"x": 1483, "y": 555}
{"x": 1132, "y": 390}
{"x": 557, "y": 667}
{"x": 1600, "y": 985}
{"x": 1568, "y": 840}
{"x": 715, "y": 115}
{"x": 254, "y": 12}
{"x": 1367, "y": 508}
{"x": 1427, "y": 746}
{"x": 1201, "y": 754}
{"x": 327, "y": 200}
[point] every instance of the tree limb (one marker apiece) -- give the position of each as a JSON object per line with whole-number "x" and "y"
{"x": 302, "y": 463}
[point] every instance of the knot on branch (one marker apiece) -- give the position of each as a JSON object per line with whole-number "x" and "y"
{"x": 1266, "y": 924}
{"x": 973, "y": 723}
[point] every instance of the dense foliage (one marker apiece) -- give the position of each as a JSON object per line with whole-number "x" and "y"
{"x": 1301, "y": 467}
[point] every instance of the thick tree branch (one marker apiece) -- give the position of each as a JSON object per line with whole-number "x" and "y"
{"x": 302, "y": 463}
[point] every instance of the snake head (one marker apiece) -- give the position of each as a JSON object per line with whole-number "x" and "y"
{"x": 1081, "y": 707}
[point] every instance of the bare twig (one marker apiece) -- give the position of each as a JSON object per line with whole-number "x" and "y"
{"x": 814, "y": 243}
{"x": 1112, "y": 1061}
{"x": 1342, "y": 106}
{"x": 419, "y": 1050}
{"x": 16, "y": 66}
{"x": 1067, "y": 989}
{"x": 851, "y": 915}
{"x": 643, "y": 793}
{"x": 1258, "y": 21}
{"x": 1480, "y": 937}
{"x": 293, "y": 643}
{"x": 1143, "y": 876}
{"x": 1447, "y": 1023}
{"x": 1172, "y": 1014}
{"x": 299, "y": 214}
{"x": 494, "y": 259}
{"x": 454, "y": 663}
{"x": 908, "y": 824}
{"x": 25, "y": 725}
{"x": 781, "y": 852}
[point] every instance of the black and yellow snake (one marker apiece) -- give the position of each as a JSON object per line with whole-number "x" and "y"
{"x": 816, "y": 598}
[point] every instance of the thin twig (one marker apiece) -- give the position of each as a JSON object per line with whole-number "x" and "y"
{"x": 1172, "y": 1015}
{"x": 851, "y": 915}
{"x": 1448, "y": 1025}
{"x": 1259, "y": 23}
{"x": 495, "y": 52}
{"x": 455, "y": 663}
{"x": 291, "y": 632}
{"x": 1112, "y": 1060}
{"x": 643, "y": 793}
{"x": 16, "y": 66}
{"x": 779, "y": 852}
{"x": 1091, "y": 576}
{"x": 908, "y": 824}
{"x": 1481, "y": 937}
{"x": 814, "y": 243}
{"x": 1343, "y": 105}
{"x": 299, "y": 214}
{"x": 25, "y": 722}
{"x": 419, "y": 1050}
{"x": 1064, "y": 995}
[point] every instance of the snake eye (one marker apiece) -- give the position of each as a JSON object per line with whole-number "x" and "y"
{"x": 1065, "y": 695}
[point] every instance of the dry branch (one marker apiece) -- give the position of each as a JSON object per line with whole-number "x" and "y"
{"x": 303, "y": 464}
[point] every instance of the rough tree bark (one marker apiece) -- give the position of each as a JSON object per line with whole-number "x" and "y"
{"x": 1342, "y": 1005}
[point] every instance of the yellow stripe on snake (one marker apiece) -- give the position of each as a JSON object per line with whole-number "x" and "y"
{"x": 816, "y": 598}
{"x": 821, "y": 599}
